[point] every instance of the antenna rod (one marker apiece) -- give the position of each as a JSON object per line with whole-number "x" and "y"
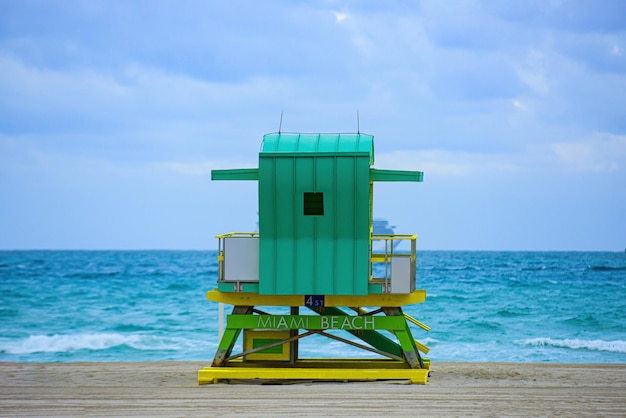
{"x": 280, "y": 126}
{"x": 358, "y": 128}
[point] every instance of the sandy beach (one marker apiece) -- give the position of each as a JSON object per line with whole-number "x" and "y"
{"x": 171, "y": 389}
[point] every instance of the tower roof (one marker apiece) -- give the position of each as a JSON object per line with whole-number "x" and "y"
{"x": 319, "y": 143}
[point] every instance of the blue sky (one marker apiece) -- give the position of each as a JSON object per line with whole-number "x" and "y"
{"x": 113, "y": 113}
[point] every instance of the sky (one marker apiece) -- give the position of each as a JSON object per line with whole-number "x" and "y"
{"x": 113, "y": 113}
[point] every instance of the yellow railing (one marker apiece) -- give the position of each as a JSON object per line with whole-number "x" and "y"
{"x": 385, "y": 257}
{"x": 382, "y": 251}
{"x": 237, "y": 234}
{"x": 220, "y": 249}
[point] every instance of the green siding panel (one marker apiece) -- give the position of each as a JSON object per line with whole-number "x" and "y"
{"x": 314, "y": 254}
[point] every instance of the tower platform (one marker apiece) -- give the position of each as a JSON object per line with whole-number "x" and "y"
{"x": 317, "y": 370}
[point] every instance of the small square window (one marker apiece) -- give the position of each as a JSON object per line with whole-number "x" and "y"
{"x": 314, "y": 203}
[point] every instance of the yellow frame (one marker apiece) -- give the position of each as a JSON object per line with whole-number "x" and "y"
{"x": 249, "y": 335}
{"x": 254, "y": 299}
{"x": 326, "y": 369}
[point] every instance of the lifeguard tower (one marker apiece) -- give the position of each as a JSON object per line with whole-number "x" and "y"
{"x": 314, "y": 250}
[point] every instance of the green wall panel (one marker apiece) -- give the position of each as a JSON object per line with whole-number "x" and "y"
{"x": 314, "y": 254}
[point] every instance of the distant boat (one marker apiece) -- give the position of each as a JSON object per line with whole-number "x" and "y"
{"x": 381, "y": 226}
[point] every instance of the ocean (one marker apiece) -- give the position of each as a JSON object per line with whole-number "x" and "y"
{"x": 63, "y": 306}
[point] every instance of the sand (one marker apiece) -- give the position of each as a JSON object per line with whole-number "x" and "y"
{"x": 170, "y": 389}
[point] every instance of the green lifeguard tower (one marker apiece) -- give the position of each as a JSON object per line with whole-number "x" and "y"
{"x": 315, "y": 249}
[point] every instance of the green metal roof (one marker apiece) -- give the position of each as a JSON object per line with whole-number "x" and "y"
{"x": 395, "y": 175}
{"x": 319, "y": 143}
{"x": 235, "y": 174}
{"x": 310, "y": 145}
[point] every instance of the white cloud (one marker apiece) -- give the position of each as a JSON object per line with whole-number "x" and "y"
{"x": 33, "y": 89}
{"x": 616, "y": 50}
{"x": 446, "y": 163}
{"x": 472, "y": 88}
{"x": 137, "y": 88}
{"x": 533, "y": 72}
{"x": 598, "y": 153}
{"x": 520, "y": 104}
{"x": 601, "y": 153}
{"x": 340, "y": 16}
{"x": 202, "y": 168}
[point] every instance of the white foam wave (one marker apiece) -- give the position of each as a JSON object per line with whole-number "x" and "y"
{"x": 616, "y": 346}
{"x": 75, "y": 342}
{"x": 428, "y": 340}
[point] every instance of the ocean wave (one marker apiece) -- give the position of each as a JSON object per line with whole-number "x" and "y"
{"x": 132, "y": 328}
{"x": 436, "y": 269}
{"x": 606, "y": 268}
{"x": 429, "y": 340}
{"x": 94, "y": 275}
{"x": 616, "y": 346}
{"x": 584, "y": 320}
{"x": 509, "y": 313}
{"x": 180, "y": 286}
{"x": 60, "y": 343}
{"x": 447, "y": 297}
{"x": 8, "y": 313}
{"x": 533, "y": 268}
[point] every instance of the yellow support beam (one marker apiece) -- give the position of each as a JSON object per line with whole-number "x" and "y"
{"x": 416, "y": 322}
{"x": 210, "y": 375}
{"x": 380, "y": 258}
{"x": 237, "y": 234}
{"x": 338, "y": 363}
{"x": 254, "y": 299}
{"x": 421, "y": 347}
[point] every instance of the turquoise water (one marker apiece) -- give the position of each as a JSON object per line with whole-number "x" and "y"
{"x": 150, "y": 305}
